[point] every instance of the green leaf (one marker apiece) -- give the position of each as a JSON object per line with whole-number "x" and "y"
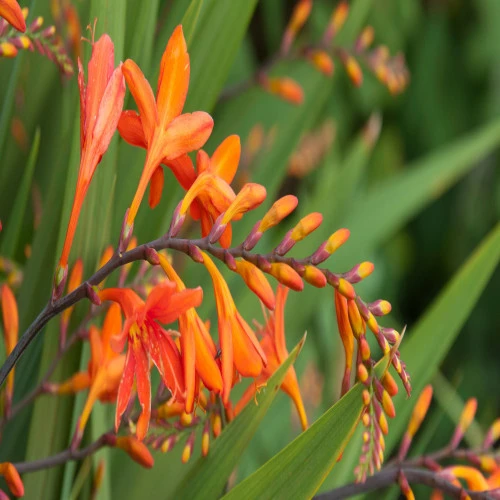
{"x": 209, "y": 475}
{"x": 299, "y": 469}
{"x": 427, "y": 343}
{"x": 13, "y": 228}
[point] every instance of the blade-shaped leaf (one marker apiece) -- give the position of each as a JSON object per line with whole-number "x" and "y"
{"x": 209, "y": 475}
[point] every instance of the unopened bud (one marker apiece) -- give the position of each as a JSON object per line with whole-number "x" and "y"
{"x": 280, "y": 209}
{"x": 391, "y": 335}
{"x": 60, "y": 278}
{"x": 390, "y": 384}
{"x": 286, "y": 244}
{"x": 250, "y": 197}
{"x": 355, "y": 320}
{"x": 136, "y": 450}
{"x": 216, "y": 424}
{"x": 337, "y": 20}
{"x": 36, "y": 24}
{"x": 365, "y": 39}
{"x": 188, "y": 449}
{"x": 256, "y": 281}
{"x": 152, "y": 256}
{"x": 253, "y": 238}
{"x": 362, "y": 373}
{"x": 314, "y": 276}
{"x": 364, "y": 348}
{"x": 195, "y": 253}
{"x": 492, "y": 435}
{"x": 284, "y": 87}
{"x": 380, "y": 307}
{"x": 353, "y": 69}
{"x": 346, "y": 289}
{"x": 12, "y": 478}
{"x": 230, "y": 261}
{"x": 205, "y": 438}
{"x": 405, "y": 487}
{"x": 299, "y": 16}
{"x": 169, "y": 443}
{"x": 178, "y": 219}
{"x": 466, "y": 419}
{"x": 287, "y": 276}
{"x": 92, "y": 294}
{"x": 321, "y": 61}
{"x": 306, "y": 226}
{"x": 366, "y": 397}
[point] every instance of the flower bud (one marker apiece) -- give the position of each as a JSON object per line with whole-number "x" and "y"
{"x": 250, "y": 197}
{"x": 337, "y": 20}
{"x": 205, "y": 438}
{"x": 287, "y": 276}
{"x": 256, "y": 281}
{"x": 306, "y": 226}
{"x": 321, "y": 61}
{"x": 365, "y": 39}
{"x": 136, "y": 450}
{"x": 314, "y": 277}
{"x": 284, "y": 87}
{"x": 280, "y": 209}
{"x": 466, "y": 419}
{"x": 188, "y": 449}
{"x": 12, "y": 478}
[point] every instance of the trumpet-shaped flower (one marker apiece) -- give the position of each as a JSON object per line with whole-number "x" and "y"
{"x": 274, "y": 346}
{"x": 12, "y": 13}
{"x": 104, "y": 370}
{"x": 211, "y": 194}
{"x": 159, "y": 126}
{"x": 101, "y": 102}
{"x": 240, "y": 348}
{"x": 197, "y": 347}
{"x": 147, "y": 341}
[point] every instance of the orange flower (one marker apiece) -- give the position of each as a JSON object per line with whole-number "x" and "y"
{"x": 274, "y": 346}
{"x": 11, "y": 330}
{"x": 211, "y": 193}
{"x": 347, "y": 337}
{"x": 12, "y": 478}
{"x": 239, "y": 345}
{"x": 12, "y": 13}
{"x": 159, "y": 126}
{"x": 149, "y": 341}
{"x": 104, "y": 370}
{"x": 101, "y": 102}
{"x": 197, "y": 347}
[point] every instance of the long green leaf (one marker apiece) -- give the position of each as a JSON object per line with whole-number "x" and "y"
{"x": 209, "y": 475}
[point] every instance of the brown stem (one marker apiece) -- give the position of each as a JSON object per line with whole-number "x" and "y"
{"x": 389, "y": 476}
{"x": 141, "y": 253}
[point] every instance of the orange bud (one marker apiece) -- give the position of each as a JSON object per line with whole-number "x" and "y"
{"x": 488, "y": 463}
{"x": 321, "y": 61}
{"x": 12, "y": 478}
{"x": 280, "y": 209}
{"x": 366, "y": 418}
{"x": 186, "y": 419}
{"x": 256, "y": 280}
{"x": 366, "y": 397}
{"x": 388, "y": 405}
{"x": 250, "y": 197}
{"x": 106, "y": 256}
{"x": 389, "y": 384}
{"x": 474, "y": 479}
{"x": 299, "y": 17}
{"x": 405, "y": 487}
{"x": 8, "y": 49}
{"x": 493, "y": 434}
{"x": 364, "y": 348}
{"x": 382, "y": 422}
{"x": 362, "y": 373}
{"x": 365, "y": 39}
{"x": 287, "y": 276}
{"x": 355, "y": 319}
{"x": 188, "y": 449}
{"x": 353, "y": 70}
{"x": 339, "y": 15}
{"x": 306, "y": 226}
{"x": 365, "y": 269}
{"x": 464, "y": 422}
{"x": 216, "y": 424}
{"x": 10, "y": 318}
{"x": 136, "y": 450}
{"x": 284, "y": 87}
{"x": 314, "y": 277}
{"x": 169, "y": 443}
{"x": 346, "y": 289}
{"x": 336, "y": 240}
{"x": 420, "y": 410}
{"x": 205, "y": 438}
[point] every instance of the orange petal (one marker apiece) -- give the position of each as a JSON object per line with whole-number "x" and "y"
{"x": 143, "y": 96}
{"x": 183, "y": 169}
{"x": 125, "y": 387}
{"x": 227, "y": 235}
{"x": 290, "y": 386}
{"x": 224, "y": 161}
{"x": 346, "y": 335}
{"x": 112, "y": 326}
{"x": 130, "y": 128}
{"x": 96, "y": 349}
{"x": 78, "y": 382}
{"x": 129, "y": 301}
{"x": 110, "y": 109}
{"x": 12, "y": 478}
{"x": 10, "y": 318}
{"x": 12, "y": 13}
{"x": 250, "y": 197}
{"x": 143, "y": 383}
{"x": 247, "y": 360}
{"x": 166, "y": 305}
{"x": 136, "y": 450}
{"x": 279, "y": 323}
{"x": 280, "y": 209}
{"x": 173, "y": 81}
{"x": 226, "y": 345}
{"x": 156, "y": 187}
{"x": 287, "y": 276}
{"x": 100, "y": 68}
{"x": 186, "y": 133}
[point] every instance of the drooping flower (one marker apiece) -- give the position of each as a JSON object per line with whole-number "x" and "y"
{"x": 147, "y": 341}
{"x": 104, "y": 370}
{"x": 10, "y": 319}
{"x": 274, "y": 345}
{"x": 159, "y": 126}
{"x": 240, "y": 348}
{"x": 197, "y": 347}
{"x": 12, "y": 13}
{"x": 101, "y": 102}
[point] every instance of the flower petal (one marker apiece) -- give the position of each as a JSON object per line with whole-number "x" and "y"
{"x": 143, "y": 96}
{"x": 156, "y": 187}
{"x": 173, "y": 81}
{"x": 186, "y": 133}
{"x": 125, "y": 387}
{"x": 129, "y": 301}
{"x": 290, "y": 386}
{"x": 110, "y": 109}
{"x": 183, "y": 169}
{"x": 226, "y": 345}
{"x": 143, "y": 383}
{"x": 100, "y": 68}
{"x": 179, "y": 303}
{"x": 130, "y": 129}
{"x": 158, "y": 297}
{"x": 112, "y": 326}
{"x": 224, "y": 161}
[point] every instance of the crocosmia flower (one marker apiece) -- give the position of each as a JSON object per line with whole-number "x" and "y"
{"x": 148, "y": 341}
{"x": 274, "y": 346}
{"x": 12, "y": 13}
{"x": 101, "y": 103}
{"x": 159, "y": 126}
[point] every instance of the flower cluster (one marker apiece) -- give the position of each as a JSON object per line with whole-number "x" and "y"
{"x": 30, "y": 37}
{"x": 390, "y": 70}
{"x": 154, "y": 318}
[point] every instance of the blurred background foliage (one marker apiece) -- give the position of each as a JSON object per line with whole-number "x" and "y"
{"x": 452, "y": 49}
